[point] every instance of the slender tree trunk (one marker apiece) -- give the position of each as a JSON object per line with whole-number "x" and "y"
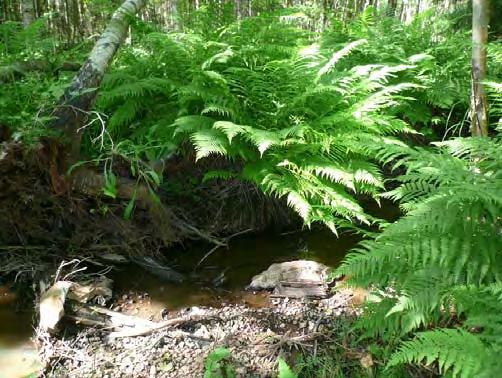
{"x": 392, "y": 7}
{"x": 28, "y": 10}
{"x": 71, "y": 113}
{"x": 479, "y": 103}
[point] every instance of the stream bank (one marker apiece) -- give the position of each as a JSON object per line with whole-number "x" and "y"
{"x": 255, "y": 337}
{"x": 214, "y": 286}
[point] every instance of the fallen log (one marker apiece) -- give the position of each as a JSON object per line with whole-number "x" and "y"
{"x": 143, "y": 331}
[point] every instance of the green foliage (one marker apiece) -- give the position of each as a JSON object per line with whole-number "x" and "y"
{"x": 440, "y": 265}
{"x": 284, "y": 370}
{"x": 31, "y": 79}
{"x": 310, "y": 117}
{"x": 454, "y": 349}
{"x": 217, "y": 366}
{"x": 303, "y": 138}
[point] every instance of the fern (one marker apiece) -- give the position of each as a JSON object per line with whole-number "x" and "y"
{"x": 307, "y": 136}
{"x": 456, "y": 350}
{"x": 442, "y": 259}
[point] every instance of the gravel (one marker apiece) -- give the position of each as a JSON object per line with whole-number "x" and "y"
{"x": 255, "y": 336}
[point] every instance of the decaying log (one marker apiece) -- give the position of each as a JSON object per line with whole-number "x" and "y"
{"x": 91, "y": 183}
{"x": 17, "y": 70}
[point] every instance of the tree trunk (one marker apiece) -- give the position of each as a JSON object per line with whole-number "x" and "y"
{"x": 28, "y": 10}
{"x": 71, "y": 113}
{"x": 479, "y": 103}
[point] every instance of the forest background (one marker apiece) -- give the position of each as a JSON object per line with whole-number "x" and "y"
{"x": 217, "y": 117}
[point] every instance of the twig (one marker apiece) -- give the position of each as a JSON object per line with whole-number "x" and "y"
{"x": 211, "y": 251}
{"x": 62, "y": 265}
{"x": 223, "y": 244}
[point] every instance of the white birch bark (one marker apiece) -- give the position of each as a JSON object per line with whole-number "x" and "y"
{"x": 479, "y": 102}
{"x": 79, "y": 97}
{"x": 28, "y": 10}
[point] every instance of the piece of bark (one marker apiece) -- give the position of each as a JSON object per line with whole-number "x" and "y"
{"x": 305, "y": 283}
{"x": 84, "y": 292}
{"x": 52, "y": 305}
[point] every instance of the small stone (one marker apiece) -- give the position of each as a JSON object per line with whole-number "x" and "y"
{"x": 153, "y": 371}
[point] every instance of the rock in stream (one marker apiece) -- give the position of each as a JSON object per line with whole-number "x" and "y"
{"x": 306, "y": 271}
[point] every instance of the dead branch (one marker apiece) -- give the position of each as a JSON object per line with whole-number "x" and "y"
{"x": 127, "y": 325}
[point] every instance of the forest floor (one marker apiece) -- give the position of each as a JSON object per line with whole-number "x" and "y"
{"x": 256, "y": 336}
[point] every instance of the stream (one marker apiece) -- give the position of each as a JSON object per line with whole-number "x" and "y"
{"x": 223, "y": 276}
{"x": 219, "y": 280}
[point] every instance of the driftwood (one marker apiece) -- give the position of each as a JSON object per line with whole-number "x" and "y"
{"x": 123, "y": 325}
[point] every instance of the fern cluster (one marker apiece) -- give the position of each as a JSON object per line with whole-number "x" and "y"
{"x": 267, "y": 95}
{"x": 441, "y": 264}
{"x": 444, "y": 50}
{"x": 283, "y": 102}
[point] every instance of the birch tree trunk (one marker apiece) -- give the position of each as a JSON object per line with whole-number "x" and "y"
{"x": 28, "y": 10}
{"x": 479, "y": 103}
{"x": 71, "y": 113}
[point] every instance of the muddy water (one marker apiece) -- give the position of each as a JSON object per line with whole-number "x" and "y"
{"x": 222, "y": 277}
{"x": 15, "y": 325}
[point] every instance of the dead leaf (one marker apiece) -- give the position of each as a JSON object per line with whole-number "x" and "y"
{"x": 366, "y": 361}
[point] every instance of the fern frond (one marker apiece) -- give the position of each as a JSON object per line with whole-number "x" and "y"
{"x": 455, "y": 350}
